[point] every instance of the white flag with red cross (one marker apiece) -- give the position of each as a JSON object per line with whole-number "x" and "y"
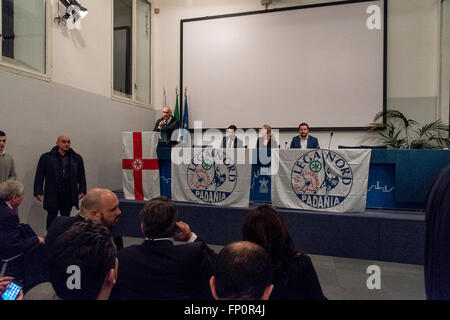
{"x": 140, "y": 169}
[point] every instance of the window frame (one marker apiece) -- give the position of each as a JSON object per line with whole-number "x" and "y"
{"x": 23, "y": 71}
{"x": 116, "y": 95}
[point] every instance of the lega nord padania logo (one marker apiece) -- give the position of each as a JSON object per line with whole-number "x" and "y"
{"x": 322, "y": 179}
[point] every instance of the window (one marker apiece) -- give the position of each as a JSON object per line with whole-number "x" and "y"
{"x": 23, "y": 42}
{"x": 131, "y": 50}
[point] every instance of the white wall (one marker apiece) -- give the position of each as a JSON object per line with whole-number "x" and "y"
{"x": 445, "y": 62}
{"x": 82, "y": 58}
{"x": 76, "y": 102}
{"x": 413, "y": 54}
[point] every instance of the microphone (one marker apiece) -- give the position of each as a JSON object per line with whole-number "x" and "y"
{"x": 285, "y": 145}
{"x": 331, "y": 136}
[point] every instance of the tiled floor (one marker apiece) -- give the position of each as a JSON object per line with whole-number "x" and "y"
{"x": 346, "y": 279}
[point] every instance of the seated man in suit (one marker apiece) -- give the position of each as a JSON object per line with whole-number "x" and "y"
{"x": 243, "y": 271}
{"x": 83, "y": 265}
{"x": 15, "y": 238}
{"x": 98, "y": 205}
{"x": 167, "y": 125}
{"x": 171, "y": 264}
{"x": 231, "y": 141}
{"x": 304, "y": 140}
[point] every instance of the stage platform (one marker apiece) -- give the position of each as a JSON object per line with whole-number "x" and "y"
{"x": 376, "y": 234}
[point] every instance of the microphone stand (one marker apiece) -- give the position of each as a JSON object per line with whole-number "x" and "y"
{"x": 331, "y": 136}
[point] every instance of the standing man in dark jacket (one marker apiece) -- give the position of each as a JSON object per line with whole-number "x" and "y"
{"x": 65, "y": 181}
{"x": 167, "y": 125}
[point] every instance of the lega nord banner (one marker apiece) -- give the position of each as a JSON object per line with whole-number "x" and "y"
{"x": 211, "y": 176}
{"x": 140, "y": 169}
{"x": 322, "y": 180}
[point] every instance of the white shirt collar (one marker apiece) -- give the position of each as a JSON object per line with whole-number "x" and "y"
{"x": 304, "y": 143}
{"x": 176, "y": 242}
{"x": 10, "y": 206}
{"x": 3, "y": 153}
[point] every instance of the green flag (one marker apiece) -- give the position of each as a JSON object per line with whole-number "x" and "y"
{"x": 176, "y": 113}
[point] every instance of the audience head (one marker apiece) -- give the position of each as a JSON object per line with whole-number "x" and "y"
{"x": 12, "y": 191}
{"x": 243, "y": 272}
{"x": 437, "y": 238}
{"x": 166, "y": 113}
{"x": 158, "y": 218}
{"x": 2, "y": 141}
{"x": 83, "y": 264}
{"x": 63, "y": 144}
{"x": 303, "y": 129}
{"x": 101, "y": 206}
{"x": 266, "y": 227}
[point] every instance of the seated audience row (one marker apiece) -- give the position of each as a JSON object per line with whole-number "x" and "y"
{"x": 172, "y": 262}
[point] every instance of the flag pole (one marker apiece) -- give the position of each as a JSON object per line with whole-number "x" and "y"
{"x": 165, "y": 100}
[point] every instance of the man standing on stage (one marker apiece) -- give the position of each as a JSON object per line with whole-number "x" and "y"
{"x": 166, "y": 125}
{"x": 65, "y": 181}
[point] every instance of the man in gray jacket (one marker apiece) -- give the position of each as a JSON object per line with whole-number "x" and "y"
{"x": 7, "y": 169}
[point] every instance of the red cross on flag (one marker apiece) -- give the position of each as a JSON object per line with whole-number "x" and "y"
{"x": 140, "y": 169}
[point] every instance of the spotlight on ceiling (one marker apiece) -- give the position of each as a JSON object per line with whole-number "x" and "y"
{"x": 74, "y": 13}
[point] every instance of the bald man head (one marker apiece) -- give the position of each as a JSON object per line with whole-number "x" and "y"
{"x": 101, "y": 206}
{"x": 166, "y": 113}
{"x": 243, "y": 271}
{"x": 63, "y": 144}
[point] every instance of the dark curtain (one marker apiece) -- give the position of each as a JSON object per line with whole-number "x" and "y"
{"x": 8, "y": 28}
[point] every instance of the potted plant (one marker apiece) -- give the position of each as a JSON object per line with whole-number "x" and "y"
{"x": 403, "y": 133}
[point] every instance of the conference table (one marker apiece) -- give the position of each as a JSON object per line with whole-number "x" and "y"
{"x": 398, "y": 178}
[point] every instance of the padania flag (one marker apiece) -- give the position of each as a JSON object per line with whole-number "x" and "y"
{"x": 322, "y": 180}
{"x": 210, "y": 176}
{"x": 140, "y": 169}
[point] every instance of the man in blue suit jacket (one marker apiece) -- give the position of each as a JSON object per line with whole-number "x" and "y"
{"x": 304, "y": 141}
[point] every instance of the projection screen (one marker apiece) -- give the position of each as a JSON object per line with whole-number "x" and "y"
{"x": 321, "y": 64}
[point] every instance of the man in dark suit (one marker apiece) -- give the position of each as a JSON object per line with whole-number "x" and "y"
{"x": 172, "y": 263}
{"x": 304, "y": 140}
{"x": 167, "y": 125}
{"x": 99, "y": 205}
{"x": 83, "y": 265}
{"x": 14, "y": 238}
{"x": 62, "y": 170}
{"x": 231, "y": 141}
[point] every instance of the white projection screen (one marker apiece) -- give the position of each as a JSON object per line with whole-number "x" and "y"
{"x": 319, "y": 64}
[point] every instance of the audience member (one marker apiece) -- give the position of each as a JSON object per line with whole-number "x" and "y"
{"x": 15, "y": 238}
{"x": 62, "y": 170}
{"x": 4, "y": 282}
{"x": 99, "y": 205}
{"x": 7, "y": 169}
{"x": 243, "y": 271}
{"x": 437, "y": 239}
{"x": 83, "y": 265}
{"x": 172, "y": 263}
{"x": 294, "y": 274}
